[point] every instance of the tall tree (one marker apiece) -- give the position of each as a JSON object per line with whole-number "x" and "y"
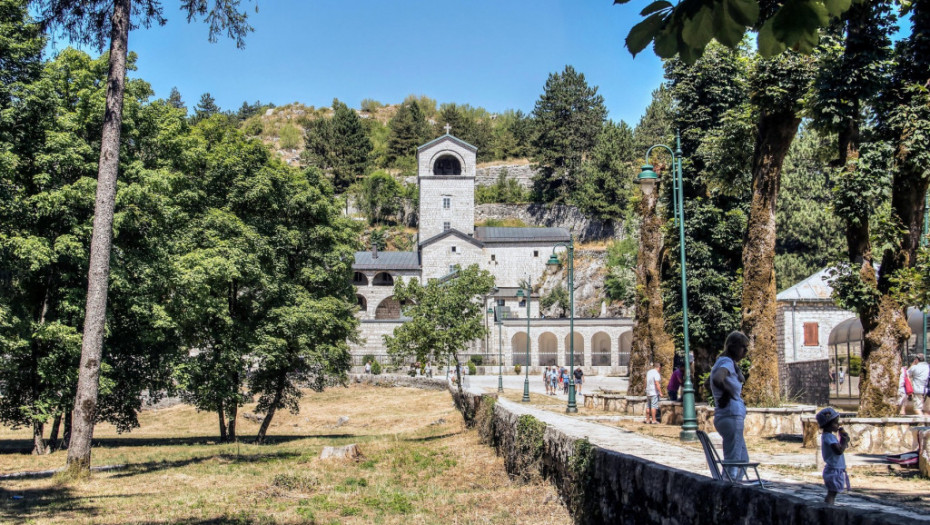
{"x": 174, "y": 99}
{"x": 606, "y": 180}
{"x": 408, "y": 130}
{"x": 445, "y": 316}
{"x": 473, "y": 125}
{"x": 568, "y": 117}
{"x": 340, "y": 146}
{"x": 206, "y": 107}
{"x": 94, "y": 22}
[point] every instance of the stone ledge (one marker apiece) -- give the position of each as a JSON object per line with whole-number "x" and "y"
{"x": 870, "y": 435}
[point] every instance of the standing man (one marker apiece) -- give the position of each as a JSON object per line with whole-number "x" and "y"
{"x": 579, "y": 377}
{"x": 920, "y": 373}
{"x": 367, "y": 367}
{"x": 675, "y": 382}
{"x": 653, "y": 377}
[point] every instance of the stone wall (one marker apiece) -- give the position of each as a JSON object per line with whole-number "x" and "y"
{"x": 555, "y": 216}
{"x": 889, "y": 435}
{"x": 522, "y": 173}
{"x": 807, "y": 382}
{"x": 606, "y": 486}
{"x": 390, "y": 380}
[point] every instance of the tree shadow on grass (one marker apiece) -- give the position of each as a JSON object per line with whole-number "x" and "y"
{"x": 432, "y": 438}
{"x": 22, "y": 446}
{"x": 134, "y": 469}
{"x": 19, "y": 506}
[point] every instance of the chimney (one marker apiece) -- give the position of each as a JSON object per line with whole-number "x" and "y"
{"x": 374, "y": 251}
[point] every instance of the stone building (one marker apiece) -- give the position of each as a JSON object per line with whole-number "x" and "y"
{"x": 448, "y": 237}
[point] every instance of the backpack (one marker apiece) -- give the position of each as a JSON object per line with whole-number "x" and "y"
{"x": 908, "y": 387}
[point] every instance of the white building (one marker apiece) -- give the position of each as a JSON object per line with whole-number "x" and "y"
{"x": 448, "y": 237}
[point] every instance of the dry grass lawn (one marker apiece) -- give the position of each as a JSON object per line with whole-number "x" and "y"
{"x": 420, "y": 465}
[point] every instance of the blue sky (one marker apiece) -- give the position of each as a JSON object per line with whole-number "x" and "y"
{"x": 491, "y": 53}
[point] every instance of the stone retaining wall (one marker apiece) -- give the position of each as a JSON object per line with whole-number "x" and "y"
{"x": 391, "y": 380}
{"x": 890, "y": 435}
{"x": 606, "y": 486}
{"x": 554, "y": 216}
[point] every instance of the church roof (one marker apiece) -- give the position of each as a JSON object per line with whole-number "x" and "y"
{"x": 499, "y": 234}
{"x": 447, "y": 136}
{"x": 814, "y": 288}
{"x": 387, "y": 261}
{"x": 452, "y": 232}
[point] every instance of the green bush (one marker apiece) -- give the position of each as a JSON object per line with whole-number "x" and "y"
{"x": 558, "y": 295}
{"x": 477, "y": 359}
{"x": 472, "y": 369}
{"x": 289, "y": 137}
{"x": 376, "y": 368}
{"x": 855, "y": 366}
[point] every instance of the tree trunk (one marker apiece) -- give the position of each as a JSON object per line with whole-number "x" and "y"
{"x": 650, "y": 340}
{"x": 221, "y": 415}
{"x": 776, "y": 131}
{"x": 85, "y": 404}
{"x": 38, "y": 441}
{"x": 231, "y": 424}
{"x": 53, "y": 438}
{"x": 66, "y": 435}
{"x": 263, "y": 430}
{"x": 878, "y": 382}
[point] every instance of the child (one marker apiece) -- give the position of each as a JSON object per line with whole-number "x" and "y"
{"x": 834, "y": 472}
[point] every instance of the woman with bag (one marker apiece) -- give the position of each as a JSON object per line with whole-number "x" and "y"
{"x": 905, "y": 389}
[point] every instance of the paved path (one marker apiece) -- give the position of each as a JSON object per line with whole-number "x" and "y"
{"x": 513, "y": 382}
{"x": 684, "y": 458}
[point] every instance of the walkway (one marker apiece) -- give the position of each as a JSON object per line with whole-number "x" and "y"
{"x": 692, "y": 460}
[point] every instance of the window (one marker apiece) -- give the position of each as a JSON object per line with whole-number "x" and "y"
{"x": 500, "y": 302}
{"x": 493, "y": 257}
{"x": 453, "y": 249}
{"x": 446, "y": 226}
{"x": 446, "y": 203}
{"x": 535, "y": 253}
{"x": 451, "y": 268}
{"x": 522, "y": 303}
{"x": 811, "y": 335}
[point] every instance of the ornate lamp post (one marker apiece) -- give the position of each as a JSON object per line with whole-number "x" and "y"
{"x": 647, "y": 179}
{"x": 554, "y": 261}
{"x": 526, "y": 380}
{"x": 500, "y": 352}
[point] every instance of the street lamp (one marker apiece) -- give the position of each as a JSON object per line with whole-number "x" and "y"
{"x": 647, "y": 179}
{"x": 526, "y": 381}
{"x": 500, "y": 352}
{"x": 554, "y": 261}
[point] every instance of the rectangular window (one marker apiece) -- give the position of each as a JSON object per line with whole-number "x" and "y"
{"x": 446, "y": 226}
{"x": 451, "y": 268}
{"x": 535, "y": 253}
{"x": 493, "y": 257}
{"x": 500, "y": 302}
{"x": 453, "y": 249}
{"x": 523, "y": 303}
{"x": 446, "y": 203}
{"x": 811, "y": 334}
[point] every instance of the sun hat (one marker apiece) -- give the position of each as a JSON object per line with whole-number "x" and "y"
{"x": 826, "y": 415}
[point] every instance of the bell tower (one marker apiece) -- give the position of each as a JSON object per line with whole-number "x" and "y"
{"x": 446, "y": 178}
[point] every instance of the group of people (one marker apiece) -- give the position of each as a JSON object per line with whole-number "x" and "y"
{"x": 556, "y": 379}
{"x": 913, "y": 385}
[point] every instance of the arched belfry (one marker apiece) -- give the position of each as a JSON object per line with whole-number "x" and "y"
{"x": 446, "y": 176}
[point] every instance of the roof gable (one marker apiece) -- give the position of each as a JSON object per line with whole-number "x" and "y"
{"x": 451, "y": 232}
{"x": 444, "y": 138}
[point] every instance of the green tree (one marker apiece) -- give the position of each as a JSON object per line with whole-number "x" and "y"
{"x": 380, "y": 197}
{"x": 605, "y": 185}
{"x": 95, "y": 22}
{"x": 445, "y": 316}
{"x": 512, "y": 135}
{"x": 473, "y": 125}
{"x": 408, "y": 130}
{"x": 174, "y": 99}
{"x": 339, "y": 146}
{"x": 205, "y": 108}
{"x": 687, "y": 27}
{"x": 568, "y": 117}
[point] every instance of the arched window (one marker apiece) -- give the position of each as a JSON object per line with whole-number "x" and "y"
{"x": 579, "y": 349}
{"x": 359, "y": 279}
{"x": 600, "y": 349}
{"x": 626, "y": 344}
{"x": 388, "y": 309}
{"x": 447, "y": 165}
{"x": 362, "y": 303}
{"x": 518, "y": 349}
{"x": 383, "y": 279}
{"x": 548, "y": 349}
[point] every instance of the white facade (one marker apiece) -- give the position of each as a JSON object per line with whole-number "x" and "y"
{"x": 448, "y": 238}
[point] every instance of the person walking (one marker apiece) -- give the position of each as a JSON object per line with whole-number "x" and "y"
{"x": 579, "y": 377}
{"x": 726, "y": 385}
{"x": 653, "y": 391}
{"x": 920, "y": 373}
{"x": 905, "y": 389}
{"x": 675, "y": 382}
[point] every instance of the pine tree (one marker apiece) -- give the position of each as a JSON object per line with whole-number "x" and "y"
{"x": 408, "y": 130}
{"x": 174, "y": 99}
{"x": 568, "y": 118}
{"x": 606, "y": 182}
{"x": 351, "y": 151}
{"x": 205, "y": 108}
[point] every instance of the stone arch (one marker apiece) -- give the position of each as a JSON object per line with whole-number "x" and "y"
{"x": 625, "y": 344}
{"x": 579, "y": 349}
{"x": 362, "y": 303}
{"x": 600, "y": 349}
{"x": 548, "y": 349}
{"x": 359, "y": 279}
{"x": 383, "y": 279}
{"x": 389, "y": 308}
{"x": 447, "y": 155}
{"x": 518, "y": 348}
